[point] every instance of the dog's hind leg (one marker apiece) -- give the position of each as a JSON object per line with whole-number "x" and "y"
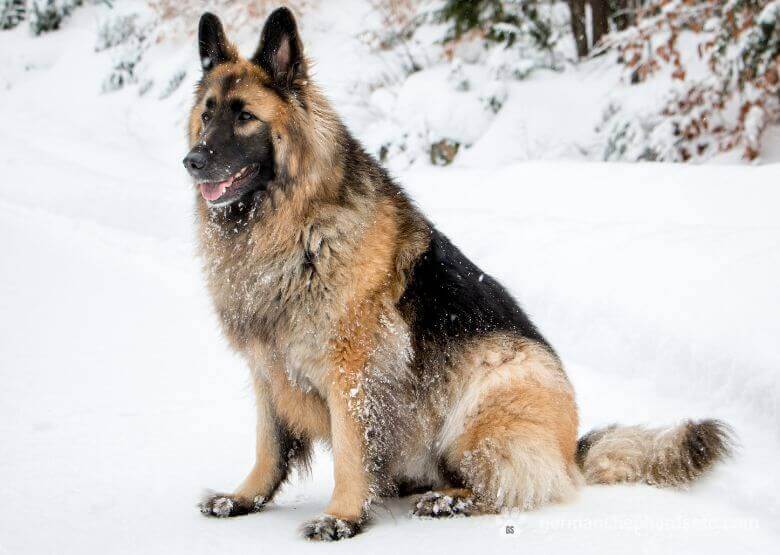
{"x": 446, "y": 502}
{"x": 512, "y": 436}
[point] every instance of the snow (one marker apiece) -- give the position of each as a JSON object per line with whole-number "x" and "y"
{"x": 120, "y": 402}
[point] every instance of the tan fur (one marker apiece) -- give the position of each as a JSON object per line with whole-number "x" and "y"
{"x": 351, "y": 350}
{"x": 519, "y": 429}
{"x": 264, "y": 475}
{"x": 351, "y": 493}
{"x": 667, "y": 457}
{"x": 456, "y": 492}
{"x": 305, "y": 412}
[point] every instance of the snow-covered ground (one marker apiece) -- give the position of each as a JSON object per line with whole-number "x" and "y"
{"x": 120, "y": 402}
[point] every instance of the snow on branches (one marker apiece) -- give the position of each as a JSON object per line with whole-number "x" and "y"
{"x": 721, "y": 98}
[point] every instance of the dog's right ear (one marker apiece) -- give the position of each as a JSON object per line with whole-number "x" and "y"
{"x": 214, "y": 47}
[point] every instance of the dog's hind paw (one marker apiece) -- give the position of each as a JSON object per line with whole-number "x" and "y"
{"x": 329, "y": 529}
{"x": 224, "y": 505}
{"x": 435, "y": 504}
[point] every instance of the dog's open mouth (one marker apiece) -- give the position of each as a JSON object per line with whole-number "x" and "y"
{"x": 213, "y": 191}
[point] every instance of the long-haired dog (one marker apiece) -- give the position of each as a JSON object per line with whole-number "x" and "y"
{"x": 367, "y": 329}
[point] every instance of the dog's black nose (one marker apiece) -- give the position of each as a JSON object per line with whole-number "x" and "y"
{"x": 196, "y": 159}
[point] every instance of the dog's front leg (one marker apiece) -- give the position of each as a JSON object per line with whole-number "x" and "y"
{"x": 277, "y": 448}
{"x": 345, "y": 513}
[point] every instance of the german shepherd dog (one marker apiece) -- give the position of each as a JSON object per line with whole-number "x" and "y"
{"x": 366, "y": 328}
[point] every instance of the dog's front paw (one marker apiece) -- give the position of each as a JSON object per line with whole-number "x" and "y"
{"x": 330, "y": 529}
{"x": 223, "y": 505}
{"x": 435, "y": 504}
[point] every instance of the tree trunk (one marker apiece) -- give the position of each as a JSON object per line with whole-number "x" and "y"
{"x": 577, "y": 8}
{"x": 599, "y": 10}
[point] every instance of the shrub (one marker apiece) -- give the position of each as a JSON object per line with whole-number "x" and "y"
{"x": 502, "y": 21}
{"x": 12, "y": 13}
{"x": 126, "y": 59}
{"x": 728, "y": 101}
{"x": 116, "y": 31}
{"x": 181, "y": 17}
{"x": 48, "y": 15}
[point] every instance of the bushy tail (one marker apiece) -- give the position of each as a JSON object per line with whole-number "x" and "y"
{"x": 665, "y": 457}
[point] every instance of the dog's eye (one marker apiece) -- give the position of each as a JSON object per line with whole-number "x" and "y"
{"x": 245, "y": 116}
{"x": 205, "y": 116}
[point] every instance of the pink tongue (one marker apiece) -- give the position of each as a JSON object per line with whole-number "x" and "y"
{"x": 212, "y": 191}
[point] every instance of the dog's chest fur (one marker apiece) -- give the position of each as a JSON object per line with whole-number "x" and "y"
{"x": 287, "y": 291}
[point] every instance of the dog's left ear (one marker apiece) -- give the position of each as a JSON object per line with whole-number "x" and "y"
{"x": 280, "y": 52}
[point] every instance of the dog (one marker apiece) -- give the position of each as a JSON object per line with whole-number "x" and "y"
{"x": 365, "y": 328}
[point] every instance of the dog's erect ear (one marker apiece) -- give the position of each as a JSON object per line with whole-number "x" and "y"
{"x": 214, "y": 47}
{"x": 280, "y": 52}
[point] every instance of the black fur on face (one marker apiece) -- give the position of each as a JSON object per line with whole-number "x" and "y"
{"x": 234, "y": 158}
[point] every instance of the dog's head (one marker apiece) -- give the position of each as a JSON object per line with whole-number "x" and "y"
{"x": 239, "y": 125}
